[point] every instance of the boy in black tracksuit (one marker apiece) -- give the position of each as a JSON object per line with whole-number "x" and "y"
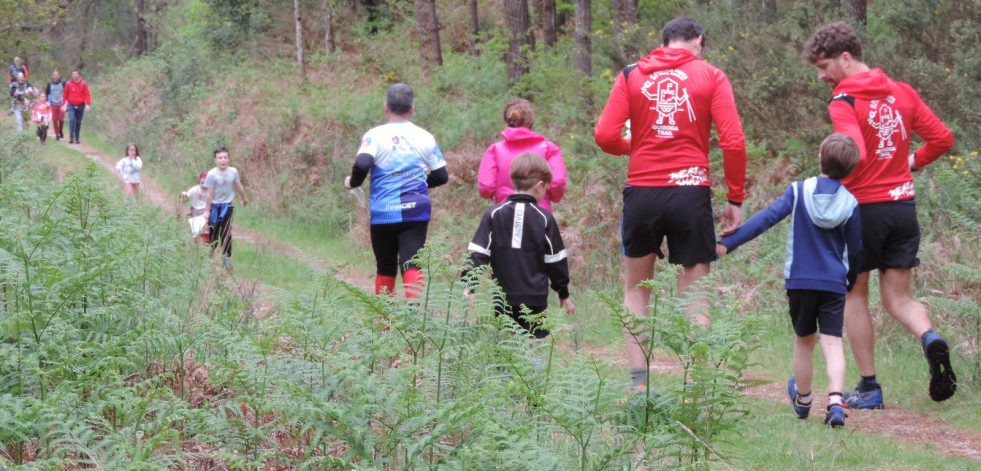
{"x": 521, "y": 241}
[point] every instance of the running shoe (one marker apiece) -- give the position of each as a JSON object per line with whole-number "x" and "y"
{"x": 943, "y": 382}
{"x": 801, "y": 411}
{"x": 859, "y": 399}
{"x": 836, "y": 416}
{"x": 227, "y": 262}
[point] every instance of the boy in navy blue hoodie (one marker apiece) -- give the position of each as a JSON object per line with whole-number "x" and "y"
{"x": 823, "y": 254}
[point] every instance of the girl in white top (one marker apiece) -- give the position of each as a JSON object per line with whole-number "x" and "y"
{"x": 129, "y": 169}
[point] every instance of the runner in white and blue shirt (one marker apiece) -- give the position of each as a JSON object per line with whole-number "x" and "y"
{"x": 403, "y": 155}
{"x": 404, "y": 161}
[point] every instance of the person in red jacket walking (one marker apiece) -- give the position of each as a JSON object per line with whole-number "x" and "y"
{"x": 881, "y": 115}
{"x": 671, "y": 97}
{"x": 78, "y": 100}
{"x": 494, "y": 176}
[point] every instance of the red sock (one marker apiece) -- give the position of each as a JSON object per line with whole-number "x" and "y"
{"x": 413, "y": 280}
{"x": 384, "y": 284}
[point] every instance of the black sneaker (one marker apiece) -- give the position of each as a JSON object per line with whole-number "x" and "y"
{"x": 943, "y": 381}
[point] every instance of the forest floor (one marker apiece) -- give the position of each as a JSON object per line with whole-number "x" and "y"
{"x": 893, "y": 422}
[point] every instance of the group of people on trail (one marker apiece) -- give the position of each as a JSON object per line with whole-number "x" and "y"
{"x": 50, "y": 106}
{"x": 857, "y": 216}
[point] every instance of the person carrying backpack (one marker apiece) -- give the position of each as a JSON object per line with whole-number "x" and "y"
{"x": 78, "y": 100}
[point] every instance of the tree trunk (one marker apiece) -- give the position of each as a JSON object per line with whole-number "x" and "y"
{"x": 857, "y": 10}
{"x": 625, "y": 16}
{"x": 548, "y": 11}
{"x": 329, "y": 34}
{"x": 434, "y": 33}
{"x": 584, "y": 47}
{"x": 422, "y": 26}
{"x": 141, "y": 43}
{"x": 519, "y": 23}
{"x": 299, "y": 39}
{"x": 474, "y": 27}
{"x": 769, "y": 11}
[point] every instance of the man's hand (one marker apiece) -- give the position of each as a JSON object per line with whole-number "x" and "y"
{"x": 347, "y": 182}
{"x": 912, "y": 163}
{"x": 88, "y": 107}
{"x": 732, "y": 216}
{"x": 566, "y": 304}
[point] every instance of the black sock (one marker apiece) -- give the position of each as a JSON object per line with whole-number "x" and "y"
{"x": 638, "y": 377}
{"x": 867, "y": 384}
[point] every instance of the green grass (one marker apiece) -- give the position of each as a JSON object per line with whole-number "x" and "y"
{"x": 254, "y": 263}
{"x": 320, "y": 242}
{"x": 772, "y": 437}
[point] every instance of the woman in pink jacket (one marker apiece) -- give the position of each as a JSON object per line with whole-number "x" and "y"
{"x": 494, "y": 177}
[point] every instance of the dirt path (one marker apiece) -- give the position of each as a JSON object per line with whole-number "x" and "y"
{"x": 893, "y": 422}
{"x": 160, "y": 198}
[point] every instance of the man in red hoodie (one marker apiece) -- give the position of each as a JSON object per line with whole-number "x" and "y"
{"x": 881, "y": 115}
{"x": 671, "y": 97}
{"x": 78, "y": 100}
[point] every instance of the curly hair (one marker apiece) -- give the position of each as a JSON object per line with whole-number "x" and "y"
{"x": 518, "y": 113}
{"x": 831, "y": 41}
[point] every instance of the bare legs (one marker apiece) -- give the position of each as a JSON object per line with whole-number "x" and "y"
{"x": 897, "y": 299}
{"x": 834, "y": 356}
{"x": 637, "y": 298}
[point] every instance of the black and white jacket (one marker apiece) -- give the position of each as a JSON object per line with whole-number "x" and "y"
{"x": 521, "y": 241}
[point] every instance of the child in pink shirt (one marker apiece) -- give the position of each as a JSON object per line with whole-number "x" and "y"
{"x": 42, "y": 117}
{"x": 494, "y": 176}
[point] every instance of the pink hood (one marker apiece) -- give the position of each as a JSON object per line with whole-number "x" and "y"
{"x": 494, "y": 176}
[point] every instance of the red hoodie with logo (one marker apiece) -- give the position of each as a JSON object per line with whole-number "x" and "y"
{"x": 672, "y": 98}
{"x": 881, "y": 114}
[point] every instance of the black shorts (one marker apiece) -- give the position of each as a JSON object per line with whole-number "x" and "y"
{"x": 537, "y": 329}
{"x": 890, "y": 235}
{"x": 395, "y": 245}
{"x": 682, "y": 214}
{"x": 811, "y": 308}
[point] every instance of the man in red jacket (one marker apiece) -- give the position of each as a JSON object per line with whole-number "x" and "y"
{"x": 78, "y": 100}
{"x": 671, "y": 97}
{"x": 881, "y": 115}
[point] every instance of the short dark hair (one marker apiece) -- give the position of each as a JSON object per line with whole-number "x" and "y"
{"x": 839, "y": 155}
{"x": 831, "y": 41}
{"x": 399, "y": 98}
{"x": 682, "y": 29}
{"x": 221, "y": 149}
{"x": 528, "y": 169}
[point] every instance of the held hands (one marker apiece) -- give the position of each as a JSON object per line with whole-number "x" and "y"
{"x": 347, "y": 182}
{"x": 721, "y": 250}
{"x": 732, "y": 216}
{"x": 566, "y": 304}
